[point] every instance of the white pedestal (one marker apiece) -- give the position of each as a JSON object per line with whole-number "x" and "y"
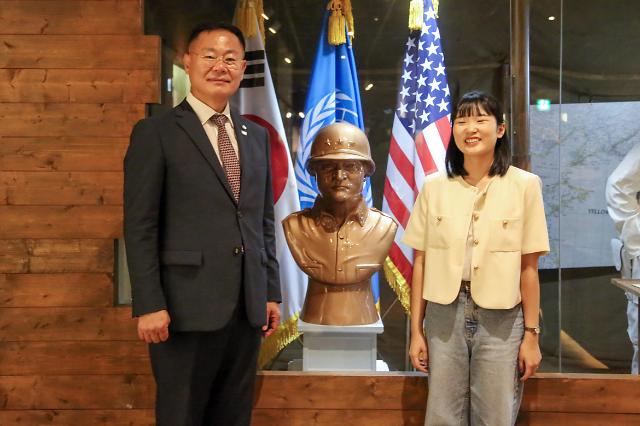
{"x": 339, "y": 348}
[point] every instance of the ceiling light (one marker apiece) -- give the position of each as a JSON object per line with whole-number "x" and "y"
{"x": 272, "y": 30}
{"x": 266, "y": 18}
{"x": 287, "y": 60}
{"x": 551, "y": 18}
{"x": 368, "y": 87}
{"x": 301, "y": 114}
{"x": 288, "y": 114}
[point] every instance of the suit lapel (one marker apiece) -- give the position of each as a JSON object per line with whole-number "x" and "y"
{"x": 246, "y": 147}
{"x": 188, "y": 120}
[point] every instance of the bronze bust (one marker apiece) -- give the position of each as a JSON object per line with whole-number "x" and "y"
{"x": 340, "y": 242}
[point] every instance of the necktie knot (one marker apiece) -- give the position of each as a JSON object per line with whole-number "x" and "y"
{"x": 219, "y": 119}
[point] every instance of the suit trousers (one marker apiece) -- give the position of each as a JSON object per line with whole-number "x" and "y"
{"x": 207, "y": 378}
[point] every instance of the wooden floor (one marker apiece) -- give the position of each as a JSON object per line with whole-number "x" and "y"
{"x": 301, "y": 399}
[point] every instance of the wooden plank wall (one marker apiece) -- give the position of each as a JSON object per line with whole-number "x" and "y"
{"x": 74, "y": 77}
{"x": 300, "y": 399}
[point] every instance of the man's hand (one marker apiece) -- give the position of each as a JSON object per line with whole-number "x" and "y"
{"x": 154, "y": 327}
{"x": 273, "y": 318}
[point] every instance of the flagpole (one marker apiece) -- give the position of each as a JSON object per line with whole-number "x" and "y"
{"x": 520, "y": 18}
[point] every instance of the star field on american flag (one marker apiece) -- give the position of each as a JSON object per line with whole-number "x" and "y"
{"x": 424, "y": 93}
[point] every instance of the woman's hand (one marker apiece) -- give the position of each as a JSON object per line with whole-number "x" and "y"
{"x": 529, "y": 356}
{"x": 419, "y": 353}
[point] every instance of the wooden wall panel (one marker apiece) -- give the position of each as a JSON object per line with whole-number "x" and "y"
{"x": 74, "y": 78}
{"x": 577, "y": 419}
{"x": 341, "y": 391}
{"x": 80, "y": 51}
{"x": 61, "y": 392}
{"x": 101, "y": 120}
{"x": 583, "y": 393}
{"x": 56, "y": 255}
{"x": 61, "y": 188}
{"x": 56, "y": 290}
{"x": 13, "y": 256}
{"x": 293, "y": 398}
{"x": 79, "y": 86}
{"x": 74, "y": 358}
{"x": 61, "y": 222}
{"x": 77, "y": 417}
{"x": 68, "y": 324}
{"x": 261, "y": 417}
{"x": 62, "y": 153}
{"x": 70, "y": 17}
{"x": 306, "y": 417}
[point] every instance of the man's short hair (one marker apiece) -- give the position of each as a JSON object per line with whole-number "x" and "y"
{"x": 205, "y": 27}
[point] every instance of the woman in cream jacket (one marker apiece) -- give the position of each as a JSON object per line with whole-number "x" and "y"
{"x": 478, "y": 231}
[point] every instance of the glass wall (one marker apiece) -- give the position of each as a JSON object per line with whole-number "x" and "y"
{"x": 585, "y": 92}
{"x": 584, "y": 87}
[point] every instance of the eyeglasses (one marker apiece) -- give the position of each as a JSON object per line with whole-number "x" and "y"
{"x": 228, "y": 61}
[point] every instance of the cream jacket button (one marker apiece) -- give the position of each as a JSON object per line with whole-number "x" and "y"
{"x": 504, "y": 222}
{"x": 475, "y": 268}
{"x": 439, "y": 218}
{"x": 475, "y": 243}
{"x": 476, "y": 216}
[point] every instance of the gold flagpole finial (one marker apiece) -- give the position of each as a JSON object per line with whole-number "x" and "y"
{"x": 341, "y": 15}
{"x": 249, "y": 18}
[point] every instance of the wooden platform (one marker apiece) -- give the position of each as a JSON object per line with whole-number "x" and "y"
{"x": 297, "y": 399}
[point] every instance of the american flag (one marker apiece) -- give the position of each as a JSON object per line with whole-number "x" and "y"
{"x": 421, "y": 131}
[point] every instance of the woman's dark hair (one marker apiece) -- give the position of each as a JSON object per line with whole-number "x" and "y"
{"x": 206, "y": 27}
{"x": 472, "y": 103}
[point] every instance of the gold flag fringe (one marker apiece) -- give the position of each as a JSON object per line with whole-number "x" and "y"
{"x": 341, "y": 16}
{"x": 416, "y": 9}
{"x": 248, "y": 17}
{"x": 398, "y": 284}
{"x": 286, "y": 333}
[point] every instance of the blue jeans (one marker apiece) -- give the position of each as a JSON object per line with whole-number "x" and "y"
{"x": 473, "y": 363}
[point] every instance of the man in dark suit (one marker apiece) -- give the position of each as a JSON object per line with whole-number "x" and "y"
{"x": 200, "y": 240}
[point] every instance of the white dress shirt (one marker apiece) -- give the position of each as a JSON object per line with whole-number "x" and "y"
{"x": 204, "y": 113}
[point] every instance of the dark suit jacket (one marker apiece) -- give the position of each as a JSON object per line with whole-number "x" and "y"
{"x": 190, "y": 246}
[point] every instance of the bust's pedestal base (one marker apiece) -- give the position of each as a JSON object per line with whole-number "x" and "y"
{"x": 339, "y": 348}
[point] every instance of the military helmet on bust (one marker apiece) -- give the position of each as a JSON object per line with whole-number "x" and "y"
{"x": 341, "y": 141}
